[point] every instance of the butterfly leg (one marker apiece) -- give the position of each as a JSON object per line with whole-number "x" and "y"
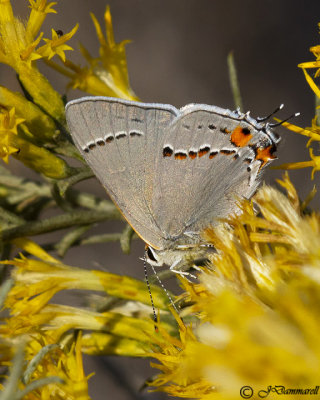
{"x": 185, "y": 274}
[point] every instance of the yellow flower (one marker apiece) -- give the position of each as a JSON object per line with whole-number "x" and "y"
{"x": 57, "y": 45}
{"x": 258, "y": 305}
{"x": 39, "y": 11}
{"x": 36, "y": 122}
{"x": 309, "y": 79}
{"x": 8, "y": 127}
{"x": 178, "y": 376}
{"x": 48, "y": 329}
{"x": 312, "y": 64}
{"x": 313, "y": 132}
{"x": 38, "y": 126}
{"x": 18, "y": 49}
{"x": 33, "y": 156}
{"x": 106, "y": 75}
{"x": 314, "y": 163}
{"x": 48, "y": 371}
{"x": 66, "y": 363}
{"x": 37, "y": 281}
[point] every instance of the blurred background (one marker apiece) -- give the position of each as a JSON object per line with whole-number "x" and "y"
{"x": 178, "y": 55}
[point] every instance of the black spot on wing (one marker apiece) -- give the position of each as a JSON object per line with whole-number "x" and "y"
{"x": 167, "y": 151}
{"x": 134, "y": 133}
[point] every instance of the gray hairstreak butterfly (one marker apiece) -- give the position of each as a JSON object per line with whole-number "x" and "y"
{"x": 172, "y": 172}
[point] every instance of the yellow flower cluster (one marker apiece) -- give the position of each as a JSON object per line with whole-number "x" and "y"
{"x": 42, "y": 324}
{"x": 254, "y": 311}
{"x": 33, "y": 130}
{"x": 106, "y": 75}
{"x": 258, "y": 305}
{"x": 40, "y": 118}
{"x": 313, "y": 132}
{"x": 35, "y": 120}
{"x": 8, "y": 130}
{"x": 53, "y": 373}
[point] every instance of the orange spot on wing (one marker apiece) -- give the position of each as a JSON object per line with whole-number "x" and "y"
{"x": 192, "y": 154}
{"x": 213, "y": 154}
{"x": 202, "y": 152}
{"x": 240, "y": 136}
{"x": 180, "y": 156}
{"x": 227, "y": 152}
{"x": 264, "y": 154}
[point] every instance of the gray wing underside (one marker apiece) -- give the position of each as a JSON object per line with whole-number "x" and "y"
{"x": 125, "y": 165}
{"x": 191, "y": 194}
{"x": 162, "y": 197}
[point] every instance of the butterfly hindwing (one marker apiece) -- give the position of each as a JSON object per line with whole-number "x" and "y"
{"x": 205, "y": 167}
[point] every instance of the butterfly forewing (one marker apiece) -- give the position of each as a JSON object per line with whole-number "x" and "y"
{"x": 118, "y": 141}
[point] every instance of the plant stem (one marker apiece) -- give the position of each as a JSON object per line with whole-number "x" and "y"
{"x": 63, "y": 221}
{"x": 233, "y": 78}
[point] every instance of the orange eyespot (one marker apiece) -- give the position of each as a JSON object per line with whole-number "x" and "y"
{"x": 240, "y": 136}
{"x": 203, "y": 151}
{"x": 264, "y": 154}
{"x": 213, "y": 154}
{"x": 180, "y": 156}
{"x": 192, "y": 154}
